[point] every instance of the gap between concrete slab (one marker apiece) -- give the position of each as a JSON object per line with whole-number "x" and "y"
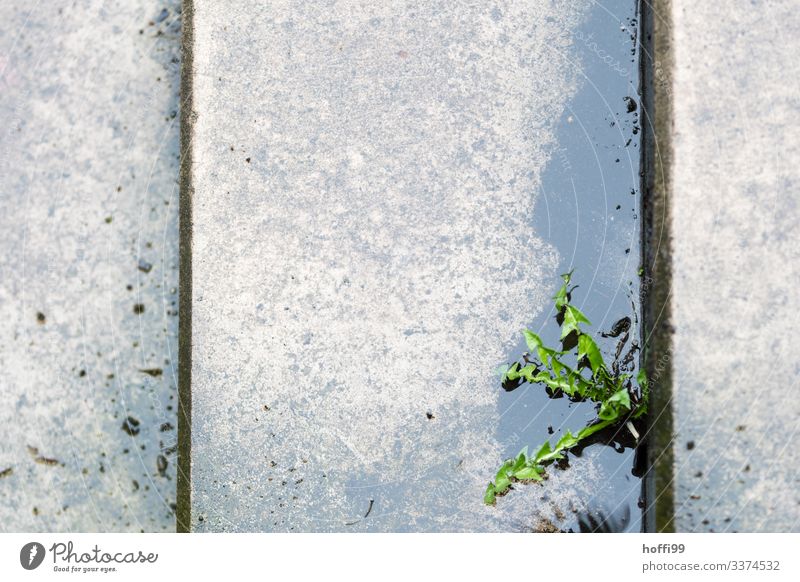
{"x": 183, "y": 512}
{"x": 657, "y": 67}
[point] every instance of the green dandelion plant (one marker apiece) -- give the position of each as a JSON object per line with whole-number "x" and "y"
{"x": 617, "y": 398}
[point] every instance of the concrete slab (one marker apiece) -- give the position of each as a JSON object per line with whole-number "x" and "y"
{"x": 736, "y": 264}
{"x": 362, "y": 184}
{"x": 88, "y": 228}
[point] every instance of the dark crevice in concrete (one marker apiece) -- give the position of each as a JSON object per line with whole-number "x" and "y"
{"x": 183, "y": 512}
{"x": 656, "y": 244}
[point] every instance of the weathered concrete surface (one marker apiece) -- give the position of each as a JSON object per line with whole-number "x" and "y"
{"x": 736, "y": 264}
{"x": 363, "y": 183}
{"x": 88, "y": 229}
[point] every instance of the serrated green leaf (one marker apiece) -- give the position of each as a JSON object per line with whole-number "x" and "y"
{"x": 644, "y": 385}
{"x": 520, "y": 462}
{"x": 502, "y": 484}
{"x": 588, "y": 348}
{"x": 623, "y": 397}
{"x": 531, "y": 473}
{"x": 543, "y": 451}
{"x": 608, "y": 412}
{"x": 534, "y": 341}
{"x": 512, "y": 373}
{"x": 529, "y": 372}
{"x": 573, "y": 317}
{"x": 546, "y": 454}
{"x": 561, "y": 369}
{"x": 502, "y": 480}
{"x": 571, "y": 382}
{"x": 561, "y": 298}
{"x": 578, "y": 315}
{"x": 616, "y": 405}
{"x": 568, "y": 328}
{"x": 588, "y": 431}
{"x": 544, "y": 356}
{"x": 567, "y": 441}
{"x": 555, "y": 384}
{"x": 490, "y": 497}
{"x": 505, "y": 466}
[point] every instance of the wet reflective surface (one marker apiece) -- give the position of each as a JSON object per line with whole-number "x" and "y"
{"x": 588, "y": 209}
{"x": 390, "y": 209}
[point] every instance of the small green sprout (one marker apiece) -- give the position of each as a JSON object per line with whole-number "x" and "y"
{"x": 590, "y": 379}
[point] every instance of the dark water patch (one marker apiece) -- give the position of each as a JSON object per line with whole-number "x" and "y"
{"x": 589, "y": 210}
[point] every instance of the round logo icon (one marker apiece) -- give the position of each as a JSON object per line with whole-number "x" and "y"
{"x": 31, "y": 555}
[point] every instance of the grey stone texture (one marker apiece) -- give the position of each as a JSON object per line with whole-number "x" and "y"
{"x": 88, "y": 228}
{"x": 364, "y": 177}
{"x": 736, "y": 265}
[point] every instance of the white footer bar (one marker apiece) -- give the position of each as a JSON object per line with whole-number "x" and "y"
{"x": 399, "y": 556}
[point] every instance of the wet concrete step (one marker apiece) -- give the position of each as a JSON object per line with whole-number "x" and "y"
{"x": 360, "y": 255}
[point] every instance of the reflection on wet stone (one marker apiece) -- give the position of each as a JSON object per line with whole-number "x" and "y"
{"x": 360, "y": 278}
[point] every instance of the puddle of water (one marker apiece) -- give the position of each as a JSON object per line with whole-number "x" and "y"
{"x": 589, "y": 210}
{"x": 352, "y": 376}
